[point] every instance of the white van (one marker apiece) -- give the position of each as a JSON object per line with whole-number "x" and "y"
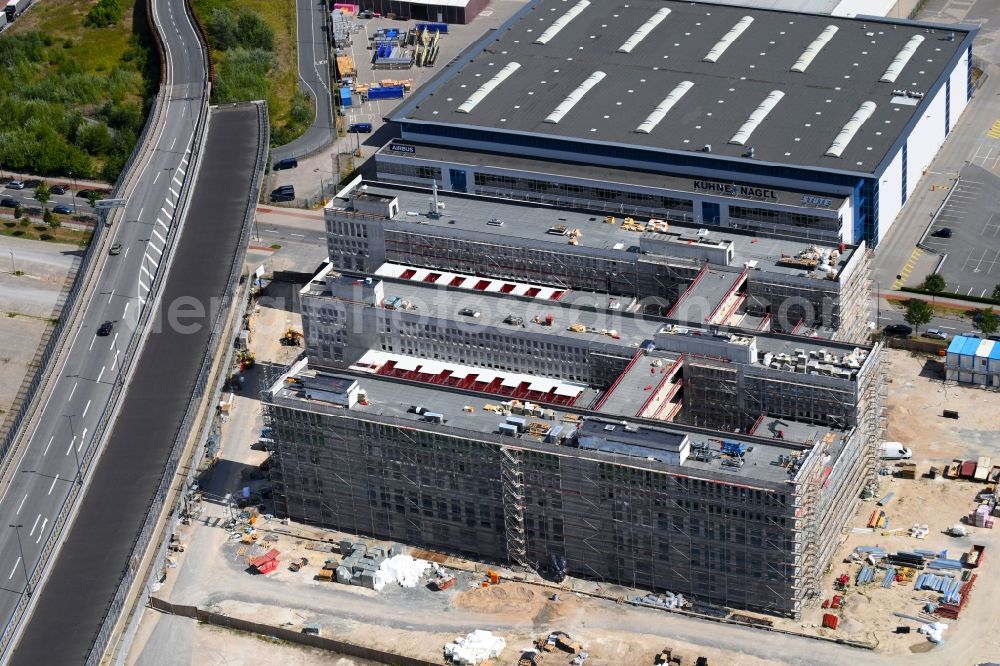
{"x": 894, "y": 451}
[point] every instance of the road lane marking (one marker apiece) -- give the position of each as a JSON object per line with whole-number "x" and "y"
{"x": 179, "y": 182}
{"x": 21, "y": 505}
{"x": 157, "y": 234}
{"x": 92, "y": 343}
{"x": 18, "y": 561}
{"x": 53, "y": 485}
{"x": 160, "y": 222}
{"x": 72, "y": 391}
{"x": 32, "y": 532}
{"x": 142, "y": 269}
{"x": 101, "y": 374}
{"x": 125, "y": 311}
{"x": 165, "y": 212}
{"x": 139, "y": 216}
{"x": 87, "y": 407}
{"x": 157, "y": 177}
{"x": 143, "y": 285}
{"x": 113, "y": 343}
{"x": 48, "y": 445}
{"x": 42, "y": 530}
{"x": 83, "y": 438}
{"x": 174, "y": 192}
{"x": 111, "y": 296}
{"x": 153, "y": 261}
{"x": 114, "y": 361}
{"x": 152, "y": 246}
{"x": 170, "y": 203}
{"x": 183, "y": 172}
{"x": 300, "y": 235}
{"x": 126, "y": 252}
{"x": 172, "y": 143}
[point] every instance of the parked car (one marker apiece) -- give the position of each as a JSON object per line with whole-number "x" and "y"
{"x": 32, "y": 183}
{"x": 360, "y": 128}
{"x": 279, "y": 196}
{"x": 115, "y": 250}
{"x": 106, "y": 328}
{"x": 58, "y": 189}
{"x": 83, "y": 194}
{"x": 62, "y": 209}
{"x": 935, "y": 334}
{"x": 898, "y": 330}
{"x": 943, "y": 232}
{"x": 9, "y": 202}
{"x": 15, "y": 185}
{"x": 287, "y": 163}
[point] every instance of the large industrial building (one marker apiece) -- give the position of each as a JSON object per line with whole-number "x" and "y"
{"x": 651, "y": 266}
{"x": 782, "y": 123}
{"x": 484, "y": 407}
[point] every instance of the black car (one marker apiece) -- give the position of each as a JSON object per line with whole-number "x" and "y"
{"x": 8, "y": 202}
{"x": 287, "y": 163}
{"x": 278, "y": 197}
{"x": 106, "y": 328}
{"x": 943, "y": 232}
{"x": 83, "y": 194}
{"x": 58, "y": 189}
{"x": 62, "y": 209}
{"x": 898, "y": 330}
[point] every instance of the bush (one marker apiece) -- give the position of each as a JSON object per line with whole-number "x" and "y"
{"x": 48, "y": 218}
{"x": 242, "y": 76}
{"x": 223, "y": 28}
{"x": 47, "y": 237}
{"x": 105, "y": 13}
{"x": 94, "y": 138}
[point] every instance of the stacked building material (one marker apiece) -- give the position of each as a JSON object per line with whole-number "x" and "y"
{"x": 340, "y": 29}
{"x": 903, "y": 558}
{"x": 890, "y": 576}
{"x": 981, "y": 516}
{"x": 951, "y": 609}
{"x": 944, "y": 563}
{"x": 865, "y": 576}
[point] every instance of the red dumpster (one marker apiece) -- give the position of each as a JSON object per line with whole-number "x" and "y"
{"x": 830, "y": 620}
{"x": 267, "y": 562}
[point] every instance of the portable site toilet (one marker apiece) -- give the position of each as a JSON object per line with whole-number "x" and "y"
{"x": 981, "y": 362}
{"x": 953, "y": 358}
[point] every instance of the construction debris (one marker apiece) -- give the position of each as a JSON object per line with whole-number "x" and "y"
{"x": 475, "y": 648}
{"x": 933, "y": 631}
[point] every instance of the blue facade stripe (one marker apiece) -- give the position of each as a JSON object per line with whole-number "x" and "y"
{"x": 903, "y": 179}
{"x": 947, "y": 107}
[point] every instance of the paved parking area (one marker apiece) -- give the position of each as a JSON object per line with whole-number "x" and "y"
{"x": 972, "y": 214}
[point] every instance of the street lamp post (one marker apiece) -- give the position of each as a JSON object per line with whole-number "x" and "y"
{"x": 24, "y": 565}
{"x": 72, "y": 195}
{"x": 13, "y": 270}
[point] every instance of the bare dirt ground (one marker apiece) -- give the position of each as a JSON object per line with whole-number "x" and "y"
{"x": 27, "y": 304}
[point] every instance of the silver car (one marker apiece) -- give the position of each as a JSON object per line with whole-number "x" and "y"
{"x": 936, "y": 334}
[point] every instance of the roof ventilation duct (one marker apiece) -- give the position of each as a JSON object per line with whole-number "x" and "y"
{"x": 654, "y": 118}
{"x": 562, "y": 22}
{"x": 485, "y": 89}
{"x": 814, "y": 48}
{"x": 903, "y": 57}
{"x": 846, "y": 135}
{"x": 757, "y": 117}
{"x": 643, "y": 30}
{"x": 727, "y": 39}
{"x": 574, "y": 97}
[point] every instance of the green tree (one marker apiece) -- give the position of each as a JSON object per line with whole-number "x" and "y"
{"x": 918, "y": 313}
{"x": 105, "y": 13}
{"x": 18, "y": 212}
{"x": 50, "y": 219}
{"x": 223, "y": 28}
{"x": 94, "y": 138}
{"x": 986, "y": 321}
{"x": 42, "y": 194}
{"x": 934, "y": 284}
{"x": 93, "y": 196}
{"x": 996, "y": 293}
{"x": 254, "y": 33}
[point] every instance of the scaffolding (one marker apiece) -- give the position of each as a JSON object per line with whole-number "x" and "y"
{"x": 513, "y": 505}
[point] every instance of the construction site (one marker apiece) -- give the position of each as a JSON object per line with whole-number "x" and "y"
{"x": 571, "y": 431}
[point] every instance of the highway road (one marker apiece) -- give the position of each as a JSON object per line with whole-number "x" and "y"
{"x": 97, "y": 548}
{"x": 314, "y": 77}
{"x": 48, "y": 460}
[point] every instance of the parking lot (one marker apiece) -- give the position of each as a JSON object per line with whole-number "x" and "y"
{"x": 972, "y": 219}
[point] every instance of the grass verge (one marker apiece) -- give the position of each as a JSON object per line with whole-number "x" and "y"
{"x": 36, "y": 230}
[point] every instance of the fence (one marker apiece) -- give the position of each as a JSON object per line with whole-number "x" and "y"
{"x": 62, "y": 330}
{"x": 187, "y": 425}
{"x": 286, "y": 634}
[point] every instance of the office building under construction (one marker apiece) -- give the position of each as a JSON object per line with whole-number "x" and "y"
{"x": 546, "y": 427}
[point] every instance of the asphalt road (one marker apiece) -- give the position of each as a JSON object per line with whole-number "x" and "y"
{"x": 79, "y": 393}
{"x": 314, "y": 77}
{"x": 96, "y": 550}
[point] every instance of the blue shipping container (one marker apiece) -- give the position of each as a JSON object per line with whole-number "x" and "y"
{"x": 386, "y": 92}
{"x": 345, "y": 96}
{"x": 433, "y": 27}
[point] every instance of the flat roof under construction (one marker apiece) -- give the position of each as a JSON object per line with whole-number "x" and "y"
{"x": 395, "y": 401}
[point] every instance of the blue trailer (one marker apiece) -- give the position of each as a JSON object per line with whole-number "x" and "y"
{"x": 345, "y": 96}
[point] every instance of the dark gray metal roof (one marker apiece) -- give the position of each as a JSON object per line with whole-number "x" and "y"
{"x": 798, "y": 131}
